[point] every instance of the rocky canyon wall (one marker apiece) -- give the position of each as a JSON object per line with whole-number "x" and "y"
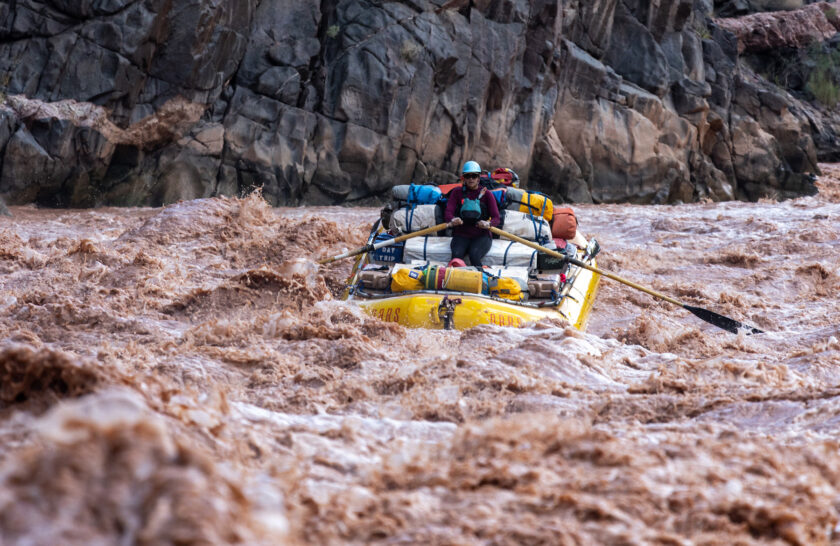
{"x": 145, "y": 102}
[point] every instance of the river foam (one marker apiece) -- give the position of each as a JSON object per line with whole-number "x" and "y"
{"x": 189, "y": 374}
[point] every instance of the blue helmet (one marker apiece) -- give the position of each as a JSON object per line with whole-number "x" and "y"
{"x": 471, "y": 167}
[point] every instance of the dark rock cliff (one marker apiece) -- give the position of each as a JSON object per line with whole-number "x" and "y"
{"x": 144, "y": 102}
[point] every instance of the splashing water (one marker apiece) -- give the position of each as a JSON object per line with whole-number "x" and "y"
{"x": 188, "y": 374}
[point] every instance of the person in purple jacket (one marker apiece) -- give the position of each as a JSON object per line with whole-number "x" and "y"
{"x": 470, "y": 210}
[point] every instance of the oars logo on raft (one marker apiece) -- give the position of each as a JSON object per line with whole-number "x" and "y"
{"x": 504, "y": 319}
{"x": 387, "y": 314}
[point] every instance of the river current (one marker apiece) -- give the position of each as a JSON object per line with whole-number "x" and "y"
{"x": 189, "y": 375}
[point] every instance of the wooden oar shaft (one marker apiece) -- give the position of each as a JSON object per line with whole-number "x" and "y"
{"x": 609, "y": 275}
{"x": 381, "y": 244}
{"x": 420, "y": 233}
{"x": 726, "y": 323}
{"x": 579, "y": 263}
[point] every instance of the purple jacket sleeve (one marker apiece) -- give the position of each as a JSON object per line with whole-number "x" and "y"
{"x": 452, "y": 204}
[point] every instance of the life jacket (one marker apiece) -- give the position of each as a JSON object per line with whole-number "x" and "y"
{"x": 471, "y": 211}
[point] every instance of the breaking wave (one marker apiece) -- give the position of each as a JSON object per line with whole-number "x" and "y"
{"x": 191, "y": 375}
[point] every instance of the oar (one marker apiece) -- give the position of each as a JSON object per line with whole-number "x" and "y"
{"x": 354, "y": 272}
{"x": 370, "y": 247}
{"x": 711, "y": 317}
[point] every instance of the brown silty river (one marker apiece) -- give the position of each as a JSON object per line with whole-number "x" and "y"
{"x": 188, "y": 375}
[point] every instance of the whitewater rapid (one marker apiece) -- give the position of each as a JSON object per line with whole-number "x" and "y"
{"x": 189, "y": 374}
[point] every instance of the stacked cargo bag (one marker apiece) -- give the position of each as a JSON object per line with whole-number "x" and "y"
{"x": 502, "y": 253}
{"x": 387, "y": 254}
{"x": 424, "y": 207}
{"x": 519, "y": 274}
{"x": 445, "y": 189}
{"x": 563, "y": 229}
{"x": 506, "y": 177}
{"x": 464, "y": 279}
{"x": 501, "y": 198}
{"x": 457, "y": 279}
{"x": 530, "y": 202}
{"x": 501, "y": 202}
{"x": 515, "y": 198}
{"x": 528, "y": 226}
{"x": 549, "y": 262}
{"x": 506, "y": 288}
{"x": 416, "y": 194}
{"x": 563, "y": 225}
{"x": 375, "y": 279}
{"x": 406, "y": 279}
{"x": 416, "y": 217}
{"x": 544, "y": 288}
{"x": 428, "y": 249}
{"x": 494, "y": 188}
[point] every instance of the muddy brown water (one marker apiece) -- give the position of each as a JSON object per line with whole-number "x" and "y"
{"x": 188, "y": 375}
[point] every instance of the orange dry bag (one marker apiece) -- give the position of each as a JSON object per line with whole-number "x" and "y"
{"x": 563, "y": 224}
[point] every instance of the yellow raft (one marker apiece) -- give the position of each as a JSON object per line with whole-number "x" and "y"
{"x": 444, "y": 309}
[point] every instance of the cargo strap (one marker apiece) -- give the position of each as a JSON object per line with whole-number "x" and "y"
{"x": 531, "y": 263}
{"x": 504, "y": 258}
{"x": 538, "y": 235}
{"x": 409, "y": 219}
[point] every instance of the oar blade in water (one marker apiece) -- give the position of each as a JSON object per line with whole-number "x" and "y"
{"x": 728, "y": 324}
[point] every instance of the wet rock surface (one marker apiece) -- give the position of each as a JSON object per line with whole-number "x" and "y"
{"x": 797, "y": 29}
{"x": 336, "y": 101}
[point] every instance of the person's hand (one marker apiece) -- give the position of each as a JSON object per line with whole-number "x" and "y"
{"x": 484, "y": 224}
{"x": 456, "y": 222}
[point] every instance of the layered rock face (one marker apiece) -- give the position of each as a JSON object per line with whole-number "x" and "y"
{"x": 144, "y": 102}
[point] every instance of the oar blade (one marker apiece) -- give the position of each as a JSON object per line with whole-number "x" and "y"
{"x": 728, "y": 324}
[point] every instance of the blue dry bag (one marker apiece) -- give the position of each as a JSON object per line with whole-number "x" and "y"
{"x": 423, "y": 194}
